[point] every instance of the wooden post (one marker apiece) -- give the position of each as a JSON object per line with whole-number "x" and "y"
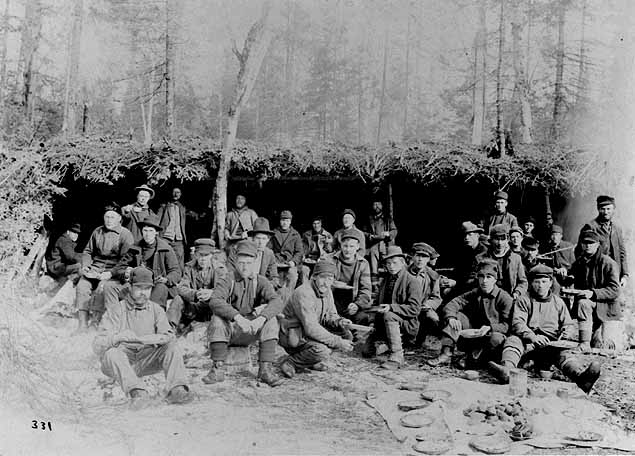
{"x": 391, "y": 205}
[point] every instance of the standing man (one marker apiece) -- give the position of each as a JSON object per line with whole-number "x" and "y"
{"x": 63, "y": 261}
{"x": 399, "y": 300}
{"x": 308, "y": 316}
{"x": 245, "y": 309}
{"x": 286, "y": 244}
{"x": 516, "y": 239}
{"x": 380, "y": 233}
{"x": 611, "y": 237}
{"x": 135, "y": 339}
{"x": 239, "y": 221}
{"x": 134, "y": 214}
{"x": 501, "y": 216}
{"x": 597, "y": 276}
{"x": 106, "y": 246}
{"x": 172, "y": 220}
{"x": 317, "y": 241}
{"x": 348, "y": 224}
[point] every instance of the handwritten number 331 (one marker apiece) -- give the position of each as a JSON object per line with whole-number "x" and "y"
{"x": 44, "y": 425}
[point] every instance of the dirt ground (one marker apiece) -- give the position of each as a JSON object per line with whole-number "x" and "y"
{"x": 314, "y": 413}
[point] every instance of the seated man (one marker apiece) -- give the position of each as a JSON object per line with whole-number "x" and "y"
{"x": 286, "y": 244}
{"x": 194, "y": 291}
{"x": 399, "y": 299}
{"x": 265, "y": 264}
{"x": 466, "y": 260}
{"x": 63, "y": 261}
{"x": 486, "y": 305}
{"x": 317, "y": 241}
{"x": 154, "y": 253}
{"x": 308, "y": 316}
{"x": 529, "y": 226}
{"x": 245, "y": 308}
{"x": 430, "y": 289}
{"x": 135, "y": 339}
{"x": 516, "y": 239}
{"x": 352, "y": 269}
{"x": 539, "y": 319}
{"x": 597, "y": 276}
{"x": 106, "y": 246}
{"x": 530, "y": 253}
{"x": 562, "y": 256}
{"x": 348, "y": 224}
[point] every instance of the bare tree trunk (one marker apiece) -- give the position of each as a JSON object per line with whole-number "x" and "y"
{"x": 407, "y": 75}
{"x": 3, "y": 62}
{"x": 29, "y": 41}
{"x": 382, "y": 99}
{"x": 84, "y": 118}
{"x": 521, "y": 87}
{"x": 288, "y": 77}
{"x": 500, "y": 133}
{"x": 479, "y": 94}
{"x": 558, "y": 98}
{"x": 71, "y": 99}
{"x": 360, "y": 96}
{"x": 220, "y": 113}
{"x": 250, "y": 60}
{"x": 582, "y": 79}
{"x": 169, "y": 71}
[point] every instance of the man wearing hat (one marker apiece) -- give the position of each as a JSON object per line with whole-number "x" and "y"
{"x": 486, "y": 305}
{"x": 154, "y": 253}
{"x": 245, "y": 308}
{"x": 430, "y": 289}
{"x": 562, "y": 256}
{"x": 266, "y": 263}
{"x": 466, "y": 261}
{"x": 106, "y": 246}
{"x": 611, "y": 237}
{"x": 596, "y": 275}
{"x": 134, "y": 214}
{"x": 380, "y": 232}
{"x": 353, "y": 270}
{"x": 286, "y": 244}
{"x": 135, "y": 339}
{"x": 172, "y": 217}
{"x": 348, "y": 224}
{"x": 529, "y": 252}
{"x": 63, "y": 260}
{"x": 240, "y": 220}
{"x": 310, "y": 320}
{"x": 529, "y": 227}
{"x": 511, "y": 272}
{"x": 516, "y": 239}
{"x": 399, "y": 299}
{"x": 501, "y": 216}
{"x": 317, "y": 241}
{"x": 538, "y": 319}
{"x": 194, "y": 291}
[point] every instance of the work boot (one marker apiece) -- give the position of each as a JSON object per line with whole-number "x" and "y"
{"x": 584, "y": 347}
{"x": 266, "y": 375}
{"x": 82, "y": 322}
{"x": 287, "y": 368}
{"x": 320, "y": 367}
{"x": 584, "y": 378}
{"x": 216, "y": 374}
{"x": 445, "y": 357}
{"x": 179, "y": 395}
{"x": 139, "y": 399}
{"x": 501, "y": 372}
{"x": 396, "y": 359}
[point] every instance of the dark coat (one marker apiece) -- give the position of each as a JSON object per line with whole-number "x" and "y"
{"x": 337, "y": 239}
{"x": 105, "y": 248}
{"x": 164, "y": 218}
{"x": 465, "y": 265}
{"x": 287, "y": 246}
{"x": 405, "y": 300}
{"x": 268, "y": 265}
{"x": 562, "y": 259}
{"x": 611, "y": 244}
{"x": 132, "y": 219}
{"x": 193, "y": 280}
{"x": 600, "y": 275}
{"x": 374, "y": 228}
{"x": 310, "y": 243}
{"x": 511, "y": 272}
{"x": 500, "y": 219}
{"x": 492, "y": 310}
{"x": 361, "y": 280}
{"x": 165, "y": 263}
{"x": 62, "y": 255}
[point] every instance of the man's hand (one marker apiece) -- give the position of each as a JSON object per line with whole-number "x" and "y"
{"x": 244, "y": 235}
{"x": 345, "y": 323}
{"x": 127, "y": 335}
{"x": 257, "y": 324}
{"x": 243, "y": 323}
{"x": 385, "y": 234}
{"x": 383, "y": 308}
{"x": 161, "y": 280}
{"x": 541, "y": 340}
{"x": 107, "y": 275}
{"x": 447, "y": 283}
{"x": 203, "y": 295}
{"x": 126, "y": 209}
{"x": 587, "y": 294}
{"x": 562, "y": 272}
{"x": 352, "y": 308}
{"x": 624, "y": 281}
{"x": 346, "y": 345}
{"x": 291, "y": 263}
{"x": 455, "y": 324}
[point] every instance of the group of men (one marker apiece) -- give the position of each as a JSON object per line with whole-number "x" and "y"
{"x": 316, "y": 292}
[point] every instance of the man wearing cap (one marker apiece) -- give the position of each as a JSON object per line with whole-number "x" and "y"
{"x": 529, "y": 227}
{"x": 154, "y": 253}
{"x": 466, "y": 261}
{"x": 501, "y": 216}
{"x": 538, "y": 319}
{"x": 106, "y": 246}
{"x": 348, "y": 224}
{"x": 134, "y": 214}
{"x": 516, "y": 239}
{"x": 317, "y": 241}
{"x": 486, "y": 305}
{"x": 135, "y": 339}
{"x": 196, "y": 286}
{"x": 352, "y": 270}
{"x": 310, "y": 320}
{"x": 530, "y": 252}
{"x": 240, "y": 220}
{"x": 245, "y": 308}
{"x": 63, "y": 260}
{"x": 286, "y": 244}
{"x": 611, "y": 237}
{"x": 172, "y": 219}
{"x": 430, "y": 287}
{"x": 562, "y": 256}
{"x": 399, "y": 299}
{"x": 596, "y": 276}
{"x": 511, "y": 272}
{"x": 380, "y": 232}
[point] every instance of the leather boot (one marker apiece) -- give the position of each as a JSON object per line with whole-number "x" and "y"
{"x": 368, "y": 349}
{"x": 396, "y": 359}
{"x": 82, "y": 319}
{"x": 216, "y": 374}
{"x": 584, "y": 378}
{"x": 179, "y": 395}
{"x": 266, "y": 375}
{"x": 139, "y": 399}
{"x": 445, "y": 357}
{"x": 500, "y": 371}
{"x": 287, "y": 368}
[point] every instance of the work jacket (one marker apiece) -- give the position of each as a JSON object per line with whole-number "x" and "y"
{"x": 337, "y": 239}
{"x": 106, "y": 247}
{"x": 600, "y": 275}
{"x": 500, "y": 219}
{"x": 430, "y": 286}
{"x": 164, "y": 262}
{"x": 313, "y": 248}
{"x": 360, "y": 282}
{"x": 164, "y": 219}
{"x": 194, "y": 278}
{"x": 562, "y": 259}
{"x": 511, "y": 272}
{"x": 611, "y": 243}
{"x": 492, "y": 310}
{"x": 239, "y": 221}
{"x": 466, "y": 265}
{"x": 61, "y": 255}
{"x": 287, "y": 246}
{"x": 133, "y": 218}
{"x": 405, "y": 300}
{"x": 534, "y": 316}
{"x": 377, "y": 224}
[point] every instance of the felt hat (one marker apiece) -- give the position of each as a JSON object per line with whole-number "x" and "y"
{"x": 286, "y": 215}
{"x": 516, "y": 229}
{"x": 540, "y": 271}
{"x": 261, "y": 225}
{"x": 146, "y": 188}
{"x": 351, "y": 234}
{"x": 499, "y": 230}
{"x": 112, "y": 206}
{"x": 141, "y": 276}
{"x": 350, "y": 212}
{"x": 151, "y": 220}
{"x": 589, "y": 237}
{"x": 501, "y": 195}
{"x": 75, "y": 228}
{"x": 488, "y": 266}
{"x": 420, "y": 248}
{"x": 603, "y": 200}
{"x": 324, "y": 267}
{"x": 469, "y": 227}
{"x": 205, "y": 246}
{"x": 530, "y": 243}
{"x": 246, "y": 248}
{"x": 556, "y": 229}
{"x": 393, "y": 251}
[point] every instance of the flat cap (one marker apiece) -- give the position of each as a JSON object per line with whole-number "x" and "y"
{"x": 530, "y": 220}
{"x": 246, "y": 248}
{"x": 501, "y": 195}
{"x": 469, "y": 227}
{"x": 540, "y": 271}
{"x": 488, "y": 266}
{"x": 516, "y": 229}
{"x": 141, "y": 276}
{"x": 589, "y": 237}
{"x": 556, "y": 229}
{"x": 350, "y": 212}
{"x": 421, "y": 248}
{"x": 351, "y": 234}
{"x": 502, "y": 229}
{"x": 112, "y": 206}
{"x": 603, "y": 200}
{"x": 286, "y": 214}
{"x": 393, "y": 251}
{"x": 530, "y": 243}
{"x": 205, "y": 246}
{"x": 75, "y": 228}
{"x": 324, "y": 267}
